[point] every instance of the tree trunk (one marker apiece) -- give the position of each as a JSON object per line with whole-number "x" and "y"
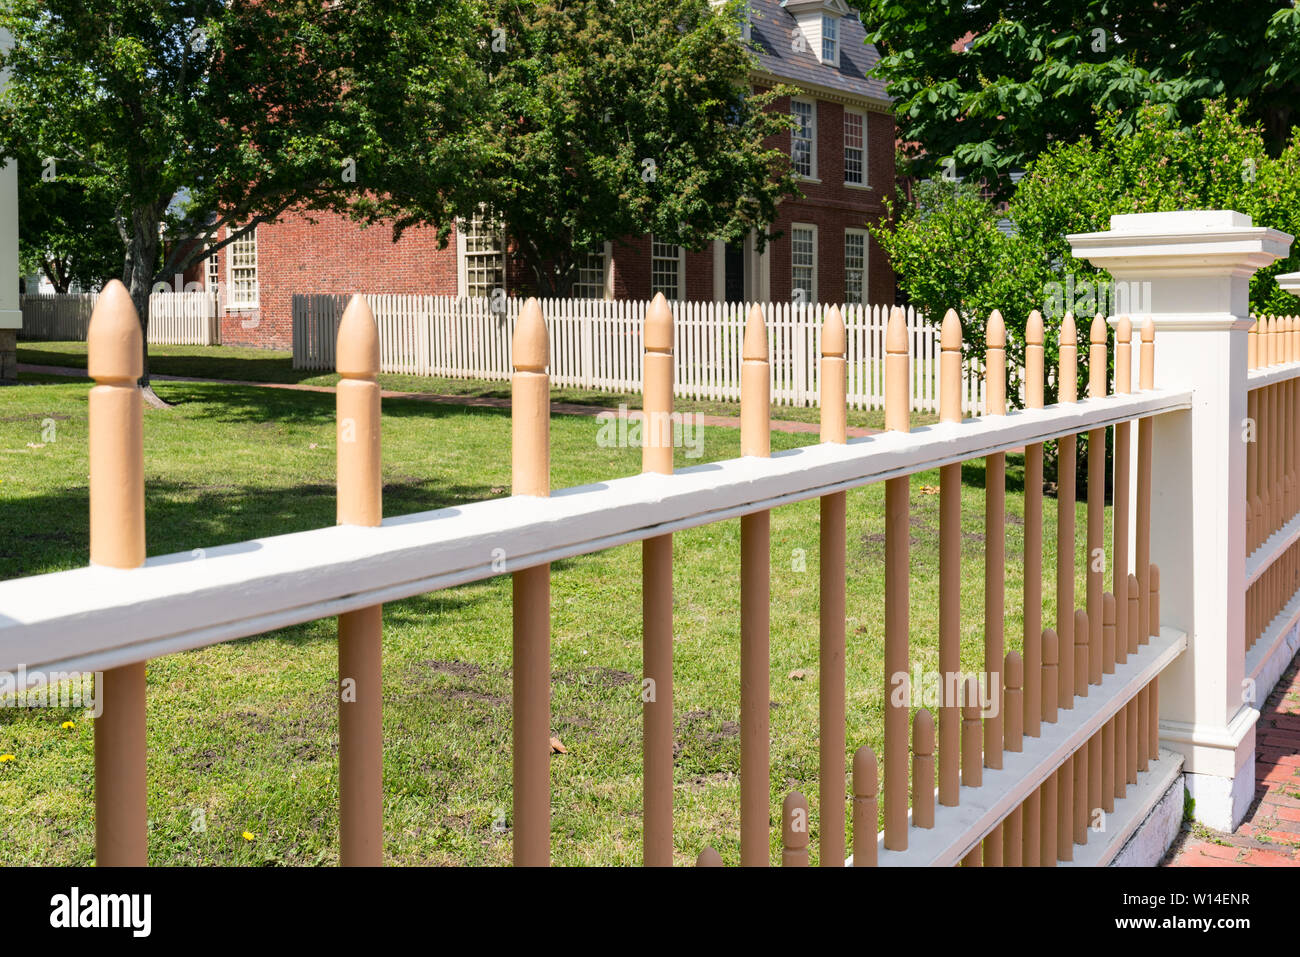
{"x": 137, "y": 276}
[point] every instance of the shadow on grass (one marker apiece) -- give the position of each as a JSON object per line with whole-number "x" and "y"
{"x": 251, "y": 405}
{"x": 50, "y": 532}
{"x": 271, "y": 367}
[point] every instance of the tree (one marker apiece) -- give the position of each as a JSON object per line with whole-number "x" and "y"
{"x": 1038, "y": 73}
{"x": 947, "y": 251}
{"x": 199, "y": 116}
{"x": 65, "y": 229}
{"x": 607, "y": 120}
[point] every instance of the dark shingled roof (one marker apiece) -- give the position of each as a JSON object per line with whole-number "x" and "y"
{"x": 770, "y": 31}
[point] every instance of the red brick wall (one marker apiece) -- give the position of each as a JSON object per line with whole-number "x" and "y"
{"x": 332, "y": 255}
{"x": 832, "y": 207}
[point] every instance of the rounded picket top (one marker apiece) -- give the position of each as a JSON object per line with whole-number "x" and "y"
{"x": 896, "y": 333}
{"x": 357, "y": 349}
{"x": 659, "y": 325}
{"x": 531, "y": 344}
{"x": 1034, "y": 335}
{"x": 709, "y": 858}
{"x": 834, "y": 337}
{"x": 923, "y": 733}
{"x": 865, "y": 771}
{"x": 1051, "y": 647}
{"x": 1069, "y": 331}
{"x": 1148, "y": 330}
{"x": 1097, "y": 334}
{"x": 114, "y": 343}
{"x": 755, "y": 344}
{"x": 1124, "y": 330}
{"x": 1107, "y": 608}
{"x": 995, "y": 334}
{"x": 950, "y": 332}
{"x": 1013, "y": 670}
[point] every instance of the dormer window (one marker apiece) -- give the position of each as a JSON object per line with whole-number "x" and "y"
{"x": 830, "y": 39}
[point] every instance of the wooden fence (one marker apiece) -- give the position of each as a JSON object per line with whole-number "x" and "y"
{"x": 596, "y": 344}
{"x": 175, "y": 318}
{"x": 1015, "y": 786}
{"x": 1056, "y": 754}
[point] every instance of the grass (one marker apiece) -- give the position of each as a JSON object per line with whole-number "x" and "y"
{"x": 243, "y": 735}
{"x": 264, "y": 365}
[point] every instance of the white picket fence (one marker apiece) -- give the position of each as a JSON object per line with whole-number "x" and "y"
{"x": 175, "y": 318}
{"x": 596, "y": 344}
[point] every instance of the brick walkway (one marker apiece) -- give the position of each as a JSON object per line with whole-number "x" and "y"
{"x": 1270, "y": 835}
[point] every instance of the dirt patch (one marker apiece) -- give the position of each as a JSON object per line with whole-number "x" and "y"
{"x": 702, "y": 782}
{"x": 461, "y": 669}
{"x": 729, "y": 729}
{"x": 469, "y": 694}
{"x": 600, "y": 677}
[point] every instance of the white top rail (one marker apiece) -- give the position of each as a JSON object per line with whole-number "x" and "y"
{"x": 96, "y": 617}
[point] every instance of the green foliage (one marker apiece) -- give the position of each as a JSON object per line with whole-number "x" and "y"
{"x": 199, "y": 115}
{"x": 1220, "y": 163}
{"x": 613, "y": 120}
{"x": 948, "y": 253}
{"x": 65, "y": 228}
{"x": 1039, "y": 73}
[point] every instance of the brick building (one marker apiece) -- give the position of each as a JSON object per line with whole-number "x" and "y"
{"x": 842, "y": 148}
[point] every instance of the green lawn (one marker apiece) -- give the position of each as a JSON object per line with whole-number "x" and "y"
{"x": 247, "y": 731}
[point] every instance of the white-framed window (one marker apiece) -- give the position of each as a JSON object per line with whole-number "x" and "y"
{"x": 666, "y": 268}
{"x": 211, "y": 273}
{"x": 855, "y": 148}
{"x": 830, "y": 39}
{"x": 592, "y": 271}
{"x": 241, "y": 271}
{"x": 483, "y": 258}
{"x": 803, "y": 138}
{"x": 855, "y": 265}
{"x": 803, "y": 263}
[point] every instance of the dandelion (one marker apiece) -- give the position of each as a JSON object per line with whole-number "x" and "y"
{"x": 248, "y": 835}
{"x": 6, "y": 758}
{"x": 68, "y": 725}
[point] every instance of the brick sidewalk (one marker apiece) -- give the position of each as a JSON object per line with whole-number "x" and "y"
{"x": 1270, "y": 835}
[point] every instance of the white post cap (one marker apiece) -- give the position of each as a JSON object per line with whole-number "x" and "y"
{"x": 1289, "y": 282}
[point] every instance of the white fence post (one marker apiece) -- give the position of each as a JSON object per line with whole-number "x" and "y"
{"x": 1194, "y": 270}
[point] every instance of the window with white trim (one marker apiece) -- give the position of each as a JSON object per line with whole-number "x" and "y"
{"x": 803, "y": 263}
{"x": 855, "y": 148}
{"x": 855, "y": 265}
{"x": 665, "y": 269}
{"x": 590, "y": 283}
{"x": 830, "y": 39}
{"x": 211, "y": 273}
{"x": 241, "y": 266}
{"x": 803, "y": 138}
{"x": 484, "y": 256}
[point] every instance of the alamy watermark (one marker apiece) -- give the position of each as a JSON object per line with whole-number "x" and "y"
{"x": 938, "y": 689}
{"x": 624, "y": 429}
{"x": 1088, "y": 297}
{"x": 51, "y": 689}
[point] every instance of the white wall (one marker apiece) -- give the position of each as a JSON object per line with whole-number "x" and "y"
{"x": 10, "y": 315}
